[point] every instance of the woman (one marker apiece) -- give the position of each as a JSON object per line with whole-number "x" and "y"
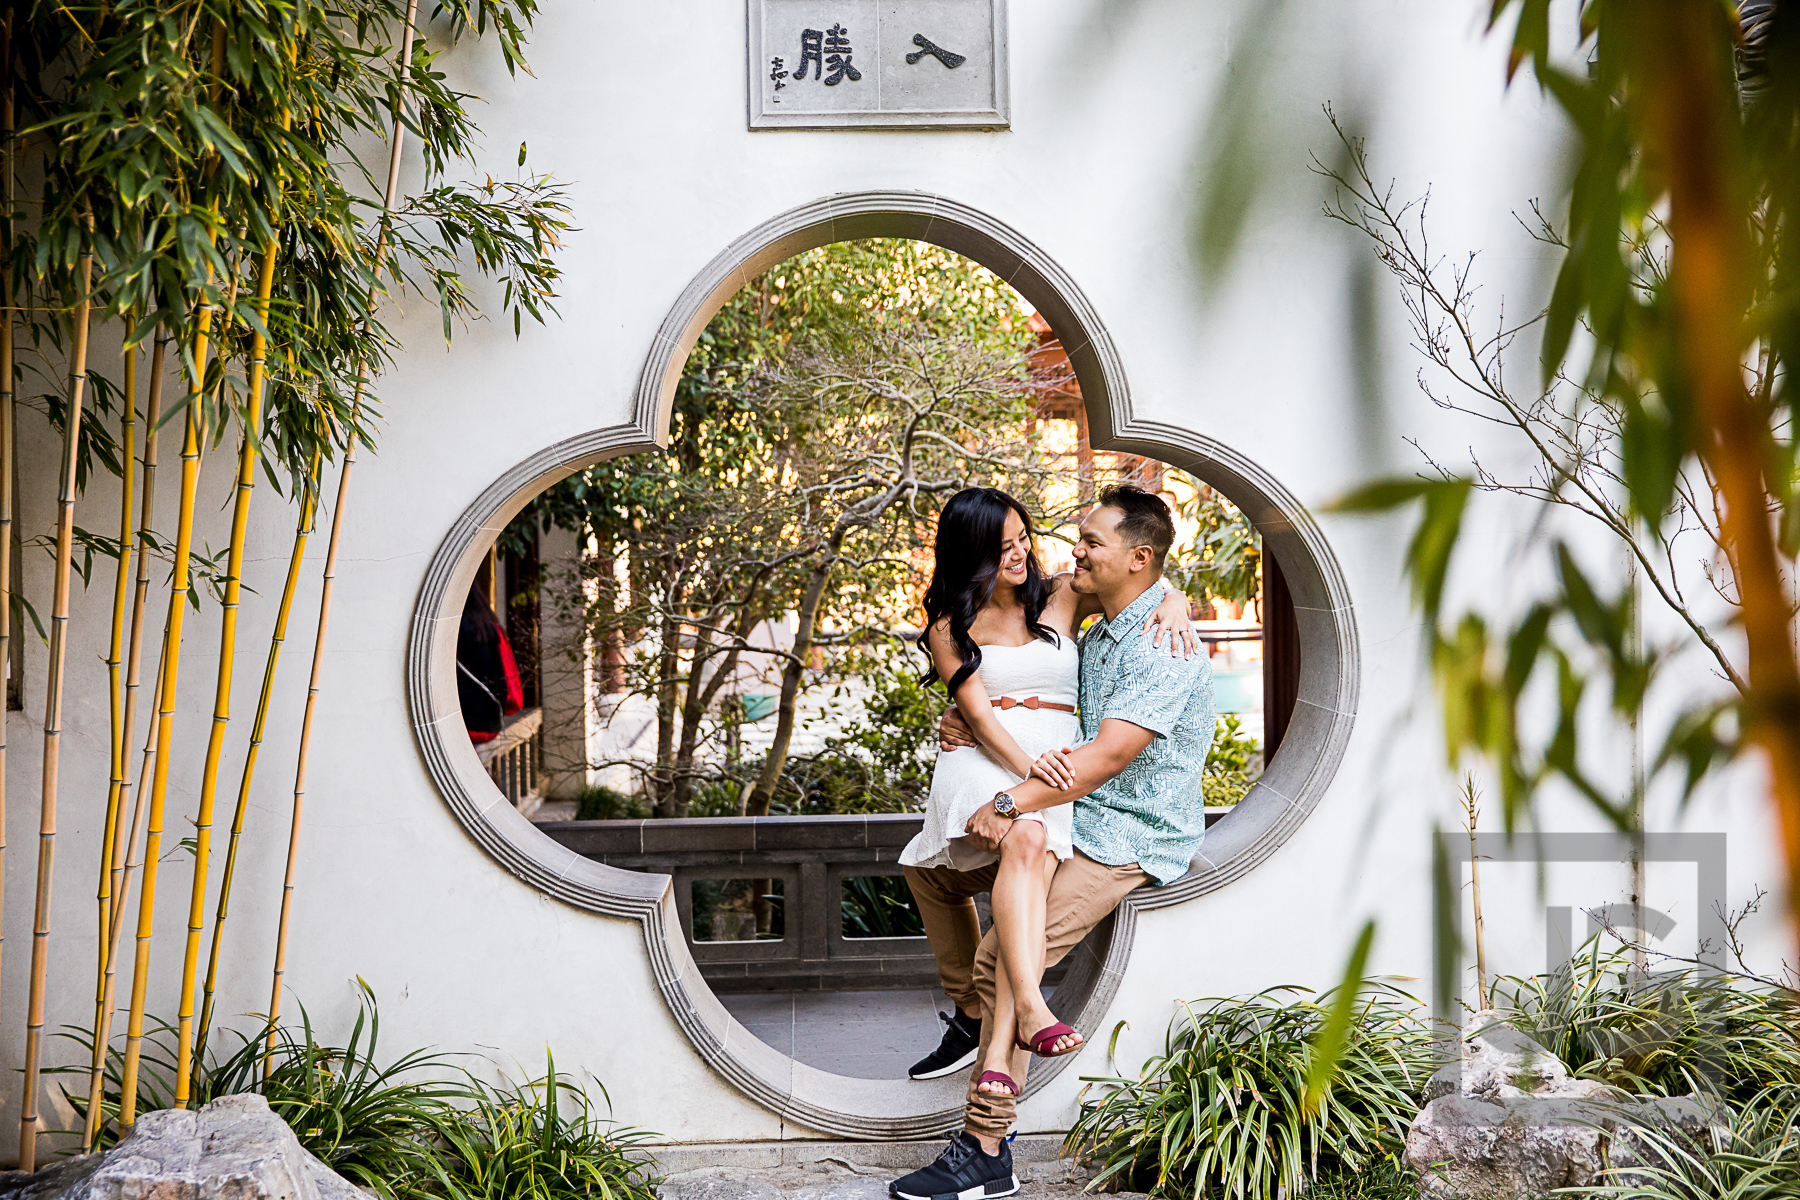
{"x": 1001, "y": 635}
{"x": 488, "y": 686}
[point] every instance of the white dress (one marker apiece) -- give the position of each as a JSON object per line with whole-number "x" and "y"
{"x": 969, "y": 777}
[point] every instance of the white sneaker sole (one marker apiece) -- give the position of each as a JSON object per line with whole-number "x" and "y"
{"x": 991, "y": 1190}
{"x": 961, "y": 1064}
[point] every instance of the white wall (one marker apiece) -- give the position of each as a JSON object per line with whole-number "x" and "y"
{"x": 641, "y": 109}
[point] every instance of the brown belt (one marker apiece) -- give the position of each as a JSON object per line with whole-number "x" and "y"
{"x": 1005, "y": 702}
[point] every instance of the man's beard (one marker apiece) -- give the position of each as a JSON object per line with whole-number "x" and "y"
{"x": 1083, "y": 582}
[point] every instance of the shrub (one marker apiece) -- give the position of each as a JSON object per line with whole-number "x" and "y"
{"x": 1664, "y": 1033}
{"x": 386, "y": 1128}
{"x": 1233, "y": 764}
{"x": 1220, "y": 1109}
{"x": 605, "y": 804}
{"x": 1753, "y": 1156}
{"x": 542, "y": 1140}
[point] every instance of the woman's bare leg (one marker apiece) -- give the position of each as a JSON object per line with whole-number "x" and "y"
{"x": 1020, "y": 889}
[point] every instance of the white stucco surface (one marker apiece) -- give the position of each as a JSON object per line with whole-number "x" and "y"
{"x": 641, "y": 109}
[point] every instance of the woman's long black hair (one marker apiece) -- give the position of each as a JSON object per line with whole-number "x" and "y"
{"x": 969, "y": 533}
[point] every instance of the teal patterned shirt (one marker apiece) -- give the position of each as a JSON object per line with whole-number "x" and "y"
{"x": 1151, "y": 813}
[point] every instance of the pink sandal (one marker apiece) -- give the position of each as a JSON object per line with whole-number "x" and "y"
{"x": 1046, "y": 1037}
{"x": 1000, "y": 1077}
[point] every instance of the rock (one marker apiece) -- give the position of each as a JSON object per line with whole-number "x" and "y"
{"x": 232, "y": 1149}
{"x": 1499, "y": 1062}
{"x": 1514, "y": 1147}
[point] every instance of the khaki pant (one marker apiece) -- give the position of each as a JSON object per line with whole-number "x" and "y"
{"x": 1081, "y": 895}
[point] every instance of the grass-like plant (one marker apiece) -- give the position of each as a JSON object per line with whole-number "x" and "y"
{"x": 1755, "y": 1156}
{"x": 1663, "y": 1033}
{"x": 1222, "y": 1110}
{"x": 417, "y": 1127}
{"x": 542, "y": 1140}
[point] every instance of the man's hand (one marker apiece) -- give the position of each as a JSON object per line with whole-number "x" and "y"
{"x": 953, "y": 732}
{"x": 1056, "y": 768}
{"x": 987, "y": 827}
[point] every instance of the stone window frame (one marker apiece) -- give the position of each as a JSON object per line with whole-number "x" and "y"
{"x": 1291, "y": 786}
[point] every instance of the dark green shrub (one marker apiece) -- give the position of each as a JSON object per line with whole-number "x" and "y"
{"x": 1221, "y": 1112}
{"x": 604, "y": 804}
{"x": 1663, "y": 1033}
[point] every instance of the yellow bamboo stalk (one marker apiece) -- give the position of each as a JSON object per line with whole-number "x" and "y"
{"x": 165, "y": 717}
{"x": 6, "y": 417}
{"x": 395, "y": 145}
{"x": 135, "y": 841}
{"x": 125, "y": 838}
{"x": 308, "y": 513}
{"x": 215, "y": 745}
{"x": 59, "y": 642}
{"x": 115, "y": 669}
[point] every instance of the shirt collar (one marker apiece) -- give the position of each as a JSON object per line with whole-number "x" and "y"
{"x": 1138, "y": 610}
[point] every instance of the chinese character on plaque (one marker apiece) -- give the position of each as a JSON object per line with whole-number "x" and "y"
{"x": 847, "y": 64}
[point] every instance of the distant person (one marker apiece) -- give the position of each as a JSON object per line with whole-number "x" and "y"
{"x": 1133, "y": 785}
{"x": 1001, "y": 636}
{"x": 487, "y": 676}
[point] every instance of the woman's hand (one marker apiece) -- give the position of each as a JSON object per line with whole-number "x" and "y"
{"x": 1171, "y": 618}
{"x": 1055, "y": 768}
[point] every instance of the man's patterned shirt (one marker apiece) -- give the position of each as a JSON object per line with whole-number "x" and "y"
{"x": 1151, "y": 813}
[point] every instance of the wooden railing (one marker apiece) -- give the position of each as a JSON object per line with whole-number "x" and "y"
{"x": 515, "y": 760}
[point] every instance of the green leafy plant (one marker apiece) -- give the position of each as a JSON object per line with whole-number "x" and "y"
{"x": 1233, "y": 765}
{"x": 1223, "y": 560}
{"x": 542, "y": 1140}
{"x": 1223, "y": 1108}
{"x": 1662, "y": 1033}
{"x": 879, "y": 906}
{"x": 604, "y": 804}
{"x": 1755, "y": 1155}
{"x": 419, "y": 1126}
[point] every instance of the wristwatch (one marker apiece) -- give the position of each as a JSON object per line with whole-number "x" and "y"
{"x": 1003, "y": 804}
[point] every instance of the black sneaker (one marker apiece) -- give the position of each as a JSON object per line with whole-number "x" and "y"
{"x": 961, "y": 1172}
{"x": 962, "y": 1038}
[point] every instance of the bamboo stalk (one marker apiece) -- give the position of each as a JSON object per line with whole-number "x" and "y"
{"x": 7, "y": 452}
{"x": 1471, "y": 802}
{"x": 125, "y": 839}
{"x": 134, "y": 841}
{"x": 395, "y": 146}
{"x": 59, "y": 642}
{"x": 215, "y": 745}
{"x": 165, "y": 719}
{"x": 309, "y": 505}
{"x": 115, "y": 682}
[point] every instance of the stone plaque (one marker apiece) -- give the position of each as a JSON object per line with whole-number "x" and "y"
{"x": 895, "y": 64}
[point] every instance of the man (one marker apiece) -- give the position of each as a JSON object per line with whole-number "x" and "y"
{"x": 1139, "y": 816}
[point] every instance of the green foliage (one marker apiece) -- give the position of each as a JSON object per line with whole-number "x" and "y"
{"x": 879, "y": 906}
{"x": 1755, "y": 1156}
{"x": 1232, "y": 765}
{"x": 174, "y": 141}
{"x": 896, "y": 734}
{"x": 1667, "y": 1033}
{"x": 416, "y": 1128}
{"x": 1222, "y": 1110}
{"x": 1223, "y": 560}
{"x": 605, "y": 804}
{"x": 542, "y": 1140}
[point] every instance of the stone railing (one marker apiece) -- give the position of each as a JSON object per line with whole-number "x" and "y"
{"x": 774, "y": 895}
{"x": 515, "y": 760}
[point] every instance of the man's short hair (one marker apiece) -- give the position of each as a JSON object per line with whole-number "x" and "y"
{"x": 1145, "y": 519}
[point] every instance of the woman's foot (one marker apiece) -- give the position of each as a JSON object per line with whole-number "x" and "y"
{"x": 995, "y": 1081}
{"x": 1048, "y": 1037}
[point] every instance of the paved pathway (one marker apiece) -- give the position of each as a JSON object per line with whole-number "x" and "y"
{"x": 865, "y": 1035}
